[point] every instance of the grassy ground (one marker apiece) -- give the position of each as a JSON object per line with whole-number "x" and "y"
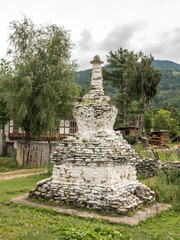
{"x": 165, "y": 156}
{"x": 10, "y": 164}
{"x": 22, "y": 222}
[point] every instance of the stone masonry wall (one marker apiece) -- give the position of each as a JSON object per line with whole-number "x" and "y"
{"x": 149, "y": 167}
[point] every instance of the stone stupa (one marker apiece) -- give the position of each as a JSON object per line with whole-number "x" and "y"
{"x": 95, "y": 168}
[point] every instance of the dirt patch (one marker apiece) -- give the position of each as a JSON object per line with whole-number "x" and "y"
{"x": 21, "y": 173}
{"x": 134, "y": 220}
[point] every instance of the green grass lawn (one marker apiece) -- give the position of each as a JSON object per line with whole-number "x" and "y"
{"x": 24, "y": 222}
{"x": 166, "y": 156}
{"x": 10, "y": 164}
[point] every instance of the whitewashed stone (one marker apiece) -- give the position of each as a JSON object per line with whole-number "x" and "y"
{"x": 96, "y": 167}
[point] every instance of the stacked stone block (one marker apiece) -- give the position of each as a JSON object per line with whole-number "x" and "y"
{"x": 149, "y": 167}
{"x": 96, "y": 167}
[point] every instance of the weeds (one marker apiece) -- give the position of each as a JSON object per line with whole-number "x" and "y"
{"x": 8, "y": 164}
{"x": 23, "y": 222}
{"x": 139, "y": 149}
{"x": 49, "y": 167}
{"x": 11, "y": 164}
{"x": 166, "y": 186}
{"x": 169, "y": 155}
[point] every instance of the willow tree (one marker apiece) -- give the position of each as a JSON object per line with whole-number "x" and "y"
{"x": 5, "y": 73}
{"x": 42, "y": 83}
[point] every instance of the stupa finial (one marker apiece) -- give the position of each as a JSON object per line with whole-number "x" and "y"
{"x": 96, "y": 60}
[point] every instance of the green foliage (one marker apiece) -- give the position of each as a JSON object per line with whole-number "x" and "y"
{"x": 168, "y": 90}
{"x": 165, "y": 65}
{"x": 83, "y": 78}
{"x": 134, "y": 77}
{"x": 174, "y": 112}
{"x": 82, "y": 91}
{"x": 8, "y": 164}
{"x": 148, "y": 121}
{"x": 169, "y": 155}
{"x": 169, "y": 87}
{"x": 116, "y": 74}
{"x": 143, "y": 77}
{"x": 166, "y": 186}
{"x": 131, "y": 139}
{"x": 139, "y": 149}
{"x": 164, "y": 121}
{"x": 5, "y": 74}
{"x": 86, "y": 233}
{"x": 39, "y": 223}
{"x": 49, "y": 166}
{"x": 43, "y": 78}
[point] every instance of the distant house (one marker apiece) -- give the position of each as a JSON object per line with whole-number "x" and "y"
{"x": 6, "y": 145}
{"x": 64, "y": 128}
{"x": 128, "y": 130}
{"x": 37, "y": 152}
{"x": 159, "y": 137}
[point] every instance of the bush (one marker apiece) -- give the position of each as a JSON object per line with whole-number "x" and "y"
{"x": 164, "y": 121}
{"x": 7, "y": 164}
{"x": 139, "y": 149}
{"x": 169, "y": 155}
{"x": 132, "y": 140}
{"x": 166, "y": 186}
{"x": 148, "y": 122}
{"x": 50, "y": 167}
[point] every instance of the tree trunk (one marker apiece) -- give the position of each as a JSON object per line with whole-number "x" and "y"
{"x": 28, "y": 146}
{"x": 127, "y": 113}
{"x": 4, "y": 145}
{"x": 145, "y": 103}
{"x": 123, "y": 105}
{"x": 49, "y": 141}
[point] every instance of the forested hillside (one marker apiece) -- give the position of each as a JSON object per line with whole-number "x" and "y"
{"x": 169, "y": 86}
{"x": 168, "y": 89}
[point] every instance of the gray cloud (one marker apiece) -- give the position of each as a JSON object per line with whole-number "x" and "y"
{"x": 121, "y": 36}
{"x": 86, "y": 41}
{"x": 166, "y": 46}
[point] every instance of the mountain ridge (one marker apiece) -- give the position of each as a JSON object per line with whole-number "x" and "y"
{"x": 168, "y": 88}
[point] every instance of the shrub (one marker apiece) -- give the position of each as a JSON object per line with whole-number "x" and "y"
{"x": 164, "y": 121}
{"x": 7, "y": 164}
{"x": 132, "y": 140}
{"x": 50, "y": 167}
{"x": 166, "y": 186}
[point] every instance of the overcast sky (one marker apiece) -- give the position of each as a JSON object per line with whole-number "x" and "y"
{"x": 98, "y": 26}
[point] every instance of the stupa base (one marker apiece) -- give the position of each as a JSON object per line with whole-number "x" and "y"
{"x": 119, "y": 198}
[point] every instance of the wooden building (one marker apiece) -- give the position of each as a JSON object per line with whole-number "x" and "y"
{"x": 159, "y": 137}
{"x": 64, "y": 128}
{"x": 128, "y": 130}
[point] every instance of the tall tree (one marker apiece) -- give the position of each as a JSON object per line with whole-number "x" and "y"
{"x": 5, "y": 73}
{"x": 116, "y": 73}
{"x": 134, "y": 76}
{"x": 149, "y": 79}
{"x": 142, "y": 77}
{"x": 43, "y": 75}
{"x": 164, "y": 121}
